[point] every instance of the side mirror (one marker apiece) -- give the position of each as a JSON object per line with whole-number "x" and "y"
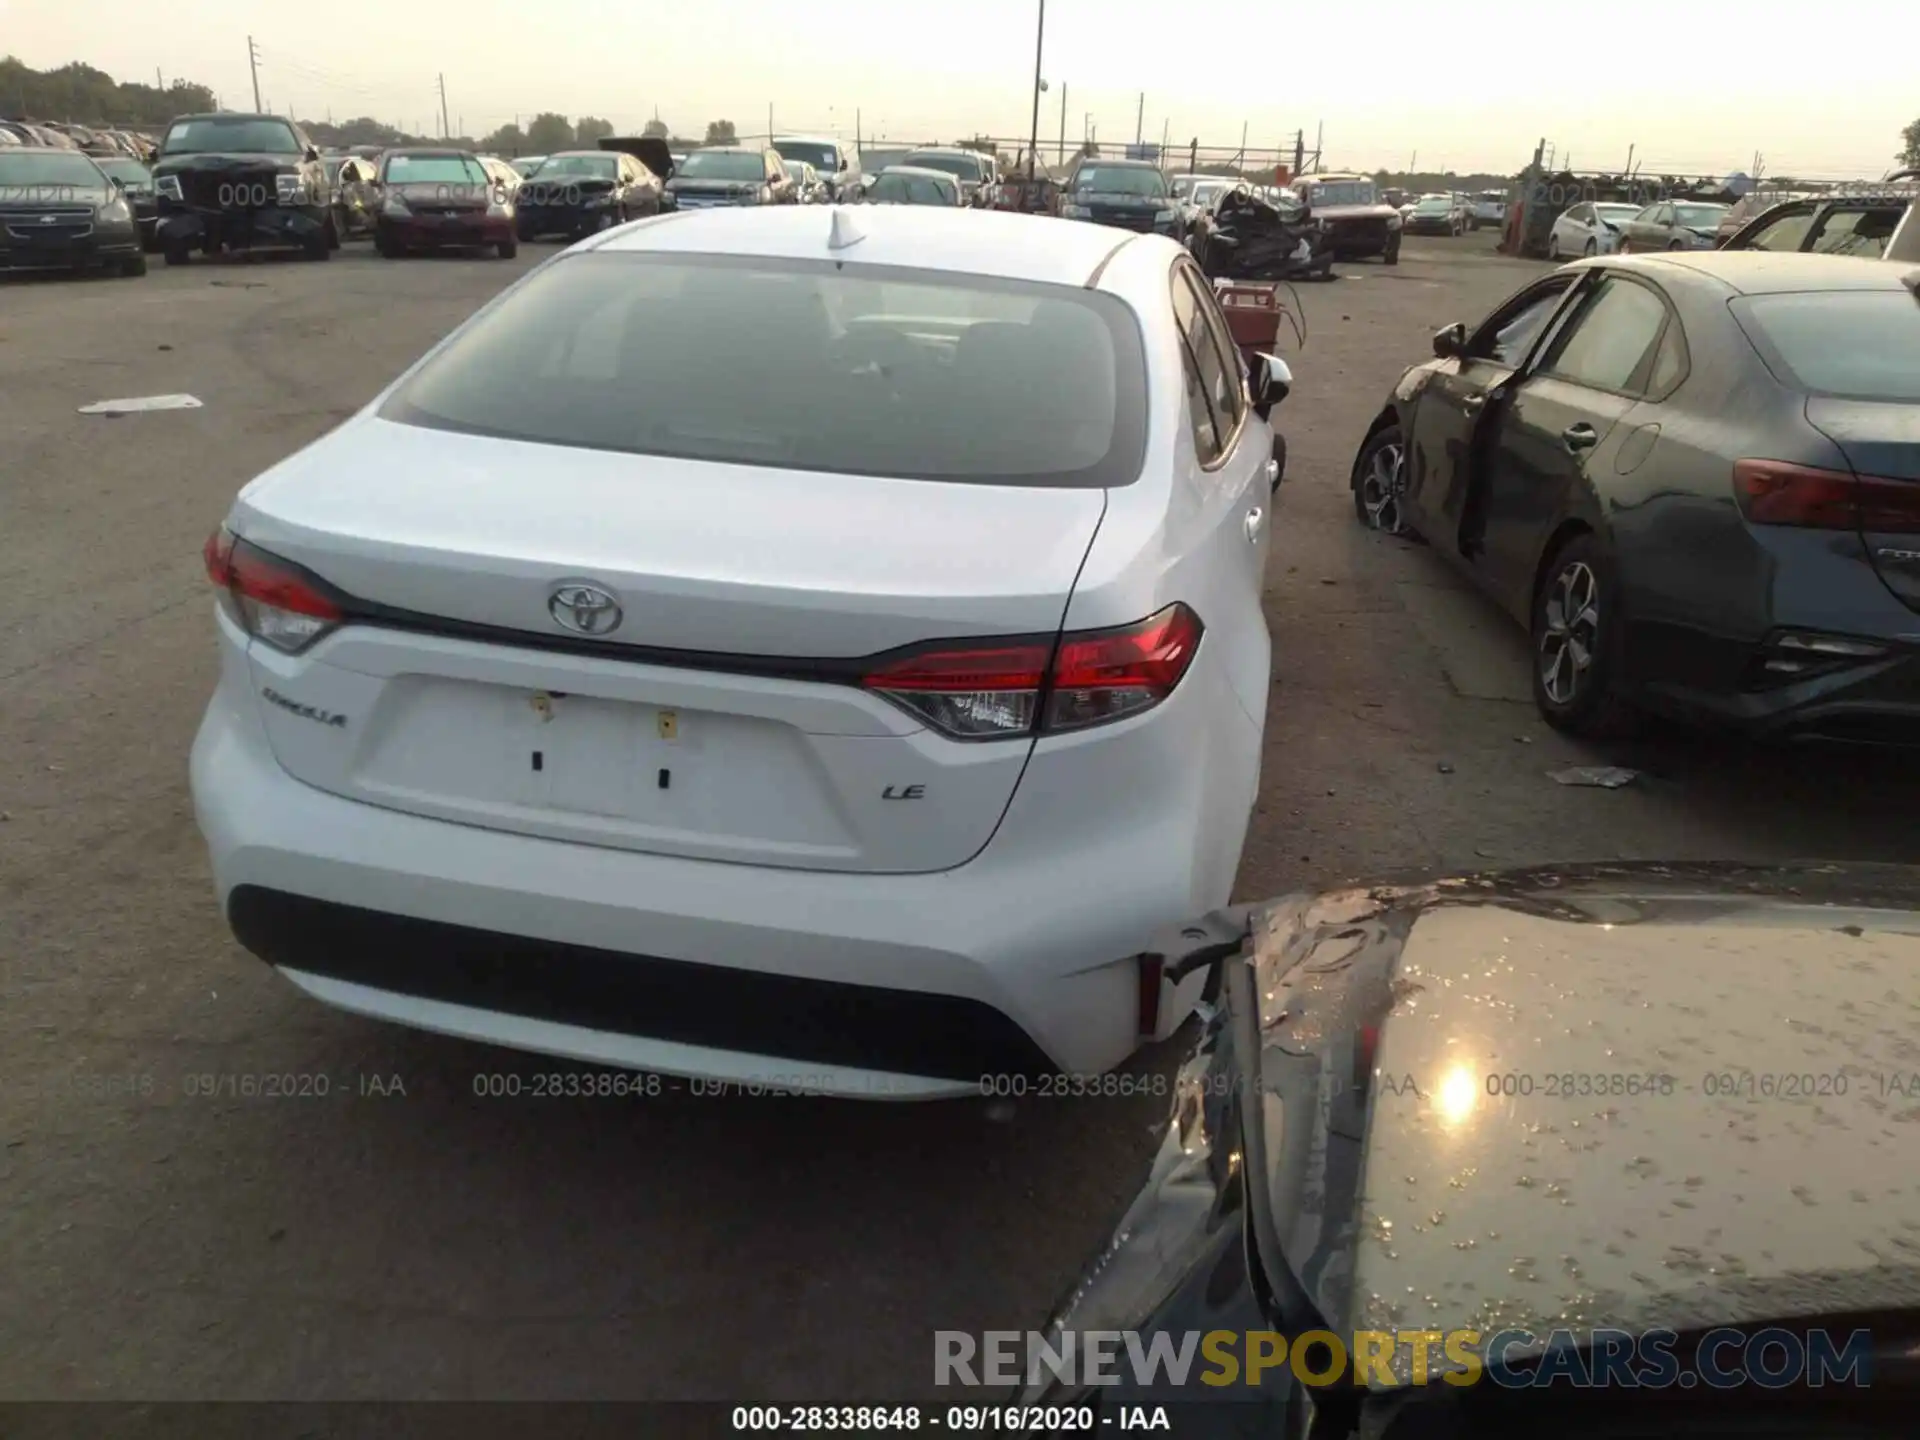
{"x": 313, "y": 152}
{"x": 1271, "y": 382}
{"x": 1450, "y": 343}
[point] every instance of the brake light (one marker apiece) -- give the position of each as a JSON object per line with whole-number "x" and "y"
{"x": 1024, "y": 687}
{"x": 1773, "y": 492}
{"x": 270, "y": 598}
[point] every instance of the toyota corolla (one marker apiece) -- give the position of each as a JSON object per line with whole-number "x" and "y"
{"x": 780, "y": 645}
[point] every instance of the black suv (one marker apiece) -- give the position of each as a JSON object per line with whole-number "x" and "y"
{"x": 1130, "y": 194}
{"x": 241, "y": 182}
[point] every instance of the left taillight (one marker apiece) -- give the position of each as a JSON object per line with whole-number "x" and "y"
{"x": 993, "y": 691}
{"x": 269, "y": 598}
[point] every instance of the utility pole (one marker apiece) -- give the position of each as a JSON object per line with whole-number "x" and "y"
{"x": 1630, "y": 159}
{"x": 158, "y": 83}
{"x": 1240, "y": 161}
{"x": 1140, "y": 118}
{"x": 1166, "y": 134}
{"x": 1319, "y": 135}
{"x": 1299, "y": 151}
{"x": 857, "y": 145}
{"x": 445, "y": 130}
{"x": 1033, "y": 139}
{"x": 253, "y": 65}
{"x": 1062, "y": 157}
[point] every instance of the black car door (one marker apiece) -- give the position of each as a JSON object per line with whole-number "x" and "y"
{"x": 1442, "y": 448}
{"x": 1560, "y": 426}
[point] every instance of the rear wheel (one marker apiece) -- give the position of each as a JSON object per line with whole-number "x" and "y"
{"x": 1379, "y": 474}
{"x": 507, "y": 249}
{"x": 1577, "y": 641}
{"x": 320, "y": 247}
{"x": 1392, "y": 255}
{"x": 1676, "y": 245}
{"x": 177, "y": 253}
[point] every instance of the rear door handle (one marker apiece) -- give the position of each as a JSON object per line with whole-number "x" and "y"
{"x": 1256, "y": 522}
{"x": 1581, "y": 436}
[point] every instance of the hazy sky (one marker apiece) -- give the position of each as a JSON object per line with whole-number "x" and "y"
{"x": 1697, "y": 87}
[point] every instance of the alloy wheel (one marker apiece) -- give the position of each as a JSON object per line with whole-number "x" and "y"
{"x": 1380, "y": 487}
{"x": 1571, "y": 636}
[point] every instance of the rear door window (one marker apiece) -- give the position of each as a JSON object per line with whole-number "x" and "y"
{"x": 803, "y": 366}
{"x": 1863, "y": 232}
{"x": 1606, "y": 342}
{"x": 1786, "y": 232}
{"x": 1219, "y": 378}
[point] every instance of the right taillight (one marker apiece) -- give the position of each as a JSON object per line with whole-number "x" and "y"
{"x": 1775, "y": 492}
{"x": 992, "y": 691}
{"x": 270, "y": 598}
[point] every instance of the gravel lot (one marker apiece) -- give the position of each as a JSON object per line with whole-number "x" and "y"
{"x": 431, "y": 1244}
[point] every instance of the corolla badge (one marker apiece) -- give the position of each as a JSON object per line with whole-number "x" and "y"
{"x": 584, "y": 609}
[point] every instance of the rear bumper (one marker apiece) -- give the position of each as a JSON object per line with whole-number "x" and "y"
{"x": 851, "y": 984}
{"x": 267, "y": 227}
{"x": 101, "y": 245}
{"x": 424, "y": 234}
{"x": 1876, "y": 702}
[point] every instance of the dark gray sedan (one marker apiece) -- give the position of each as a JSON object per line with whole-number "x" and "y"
{"x": 1695, "y": 478}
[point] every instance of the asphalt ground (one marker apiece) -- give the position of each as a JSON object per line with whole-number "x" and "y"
{"x": 405, "y": 1238}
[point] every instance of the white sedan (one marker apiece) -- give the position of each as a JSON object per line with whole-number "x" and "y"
{"x": 1589, "y": 228}
{"x": 800, "y": 647}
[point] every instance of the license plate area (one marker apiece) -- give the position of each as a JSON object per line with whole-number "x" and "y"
{"x": 612, "y": 770}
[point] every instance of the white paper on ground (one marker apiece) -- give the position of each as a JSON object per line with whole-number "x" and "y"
{"x": 140, "y": 402}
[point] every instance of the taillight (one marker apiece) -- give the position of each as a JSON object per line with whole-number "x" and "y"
{"x": 996, "y": 691}
{"x": 270, "y": 598}
{"x": 1773, "y": 492}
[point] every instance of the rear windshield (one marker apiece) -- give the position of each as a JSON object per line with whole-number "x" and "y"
{"x": 236, "y": 134}
{"x": 1701, "y": 217}
{"x": 961, "y": 167}
{"x": 725, "y": 165}
{"x": 1341, "y": 192}
{"x": 912, "y": 190}
{"x": 801, "y": 365}
{"x": 48, "y": 167}
{"x": 426, "y": 169}
{"x": 1120, "y": 180}
{"x": 579, "y": 167}
{"x": 822, "y": 157}
{"x": 1859, "y": 344}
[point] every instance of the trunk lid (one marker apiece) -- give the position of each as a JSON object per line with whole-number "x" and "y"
{"x": 1881, "y": 441}
{"x": 726, "y": 730}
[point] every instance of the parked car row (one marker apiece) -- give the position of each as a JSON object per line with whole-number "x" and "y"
{"x": 90, "y": 140}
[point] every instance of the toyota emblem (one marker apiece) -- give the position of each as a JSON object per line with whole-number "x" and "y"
{"x": 584, "y": 609}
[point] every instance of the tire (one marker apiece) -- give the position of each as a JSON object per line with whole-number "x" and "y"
{"x": 386, "y": 248}
{"x": 1553, "y": 246}
{"x": 177, "y": 254}
{"x": 1379, "y": 472}
{"x": 1576, "y": 614}
{"x": 134, "y": 267}
{"x": 1625, "y": 247}
{"x": 1592, "y": 248}
{"x": 1392, "y": 253}
{"x": 1676, "y": 245}
{"x": 333, "y": 234}
{"x": 318, "y": 248}
{"x": 507, "y": 249}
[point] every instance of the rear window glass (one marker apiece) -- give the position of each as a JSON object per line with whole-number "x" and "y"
{"x": 725, "y": 165}
{"x": 803, "y": 366}
{"x": 1861, "y": 344}
{"x": 425, "y": 169}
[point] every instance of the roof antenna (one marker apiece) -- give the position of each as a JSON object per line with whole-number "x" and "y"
{"x": 846, "y": 231}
